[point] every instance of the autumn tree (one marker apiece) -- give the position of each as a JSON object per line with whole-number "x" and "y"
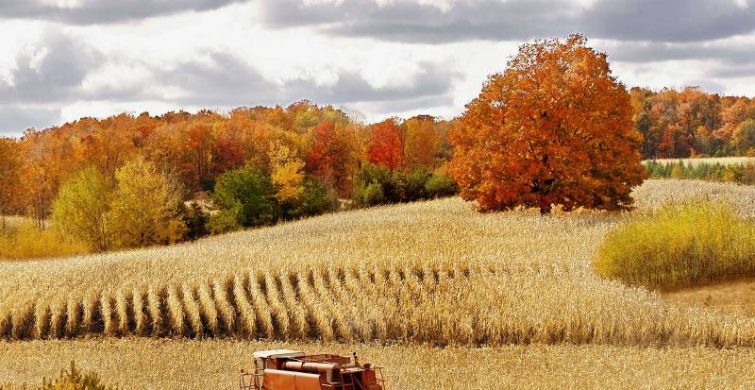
{"x": 82, "y": 206}
{"x": 422, "y": 142}
{"x": 145, "y": 206}
{"x": 286, "y": 174}
{"x": 9, "y": 179}
{"x": 331, "y": 157}
{"x": 744, "y": 137}
{"x": 386, "y": 146}
{"x": 554, "y": 129}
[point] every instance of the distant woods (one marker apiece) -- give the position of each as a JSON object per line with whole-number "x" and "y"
{"x": 692, "y": 123}
{"x": 129, "y": 181}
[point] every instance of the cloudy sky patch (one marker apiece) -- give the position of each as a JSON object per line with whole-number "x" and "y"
{"x": 63, "y": 59}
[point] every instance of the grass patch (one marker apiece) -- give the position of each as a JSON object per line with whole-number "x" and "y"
{"x": 680, "y": 245}
{"x": 26, "y": 241}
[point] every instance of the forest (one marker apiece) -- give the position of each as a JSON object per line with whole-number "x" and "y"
{"x": 301, "y": 159}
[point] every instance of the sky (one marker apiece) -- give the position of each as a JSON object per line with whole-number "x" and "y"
{"x": 65, "y": 59}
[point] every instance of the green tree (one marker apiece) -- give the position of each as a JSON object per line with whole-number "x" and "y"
{"x": 248, "y": 195}
{"x": 145, "y": 206}
{"x": 81, "y": 208}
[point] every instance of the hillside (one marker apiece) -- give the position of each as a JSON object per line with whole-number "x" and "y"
{"x": 373, "y": 274}
{"x": 513, "y": 292}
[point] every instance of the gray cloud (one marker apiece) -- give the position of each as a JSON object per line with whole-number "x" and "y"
{"x": 14, "y": 119}
{"x": 59, "y": 73}
{"x": 643, "y": 52}
{"x": 726, "y": 60}
{"x": 104, "y": 11}
{"x": 667, "y": 20}
{"x": 228, "y": 81}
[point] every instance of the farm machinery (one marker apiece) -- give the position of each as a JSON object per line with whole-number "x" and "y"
{"x": 283, "y": 369}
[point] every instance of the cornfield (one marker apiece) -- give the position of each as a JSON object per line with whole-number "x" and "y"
{"x": 146, "y": 363}
{"x": 433, "y": 272}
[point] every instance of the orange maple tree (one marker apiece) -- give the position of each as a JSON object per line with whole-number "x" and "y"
{"x": 386, "y": 145}
{"x": 555, "y": 128}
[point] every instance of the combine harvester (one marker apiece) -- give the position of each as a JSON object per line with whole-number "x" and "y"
{"x": 283, "y": 369}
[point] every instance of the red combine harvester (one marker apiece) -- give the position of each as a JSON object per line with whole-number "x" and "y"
{"x": 283, "y": 369}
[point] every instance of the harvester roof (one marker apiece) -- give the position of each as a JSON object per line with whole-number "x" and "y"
{"x": 277, "y": 353}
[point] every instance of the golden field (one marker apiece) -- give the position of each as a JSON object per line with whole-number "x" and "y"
{"x": 214, "y": 364}
{"x": 514, "y": 287}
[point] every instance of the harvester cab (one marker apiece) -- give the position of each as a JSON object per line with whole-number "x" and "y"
{"x": 283, "y": 369}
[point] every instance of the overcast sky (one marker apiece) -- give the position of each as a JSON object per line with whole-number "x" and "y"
{"x": 64, "y": 59}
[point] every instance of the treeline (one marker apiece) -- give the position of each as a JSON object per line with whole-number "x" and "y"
{"x": 692, "y": 123}
{"x": 119, "y": 176}
{"x": 743, "y": 173}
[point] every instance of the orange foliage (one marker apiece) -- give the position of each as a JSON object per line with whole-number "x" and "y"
{"x": 554, "y": 129}
{"x": 386, "y": 146}
{"x": 422, "y": 142}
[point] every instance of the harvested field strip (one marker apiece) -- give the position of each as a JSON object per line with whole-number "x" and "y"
{"x": 409, "y": 304}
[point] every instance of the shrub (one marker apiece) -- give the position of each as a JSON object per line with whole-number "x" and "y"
{"x": 370, "y": 195}
{"x": 680, "y": 245}
{"x": 415, "y": 185}
{"x": 315, "y": 198}
{"x": 75, "y": 379}
{"x": 27, "y": 241}
{"x": 248, "y": 194}
{"x": 223, "y": 222}
{"x": 378, "y": 185}
{"x": 440, "y": 186}
{"x": 195, "y": 219}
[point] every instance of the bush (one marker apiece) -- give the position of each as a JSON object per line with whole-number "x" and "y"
{"x": 680, "y": 245}
{"x": 370, "y": 195}
{"x": 26, "y": 241}
{"x": 75, "y": 379}
{"x": 195, "y": 219}
{"x": 248, "y": 194}
{"x": 440, "y": 186}
{"x": 316, "y": 198}
{"x": 223, "y": 222}
{"x": 379, "y": 185}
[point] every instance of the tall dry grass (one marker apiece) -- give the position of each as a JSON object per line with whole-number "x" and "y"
{"x": 139, "y": 363}
{"x": 680, "y": 245}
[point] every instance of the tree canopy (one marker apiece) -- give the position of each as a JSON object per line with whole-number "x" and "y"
{"x": 554, "y": 129}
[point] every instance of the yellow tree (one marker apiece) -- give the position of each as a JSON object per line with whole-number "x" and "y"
{"x": 81, "y": 208}
{"x": 145, "y": 206}
{"x": 286, "y": 173}
{"x": 554, "y": 129}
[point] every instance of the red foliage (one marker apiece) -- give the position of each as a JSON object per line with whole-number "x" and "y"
{"x": 386, "y": 146}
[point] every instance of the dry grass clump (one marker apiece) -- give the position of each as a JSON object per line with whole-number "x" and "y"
{"x": 139, "y": 363}
{"x": 680, "y": 245}
{"x": 434, "y": 272}
{"x": 20, "y": 239}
